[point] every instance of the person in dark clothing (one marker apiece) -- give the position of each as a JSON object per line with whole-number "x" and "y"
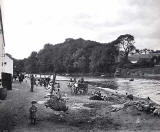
{"x": 20, "y": 78}
{"x": 44, "y": 83}
{"x": 15, "y": 77}
{"x": 32, "y": 82}
{"x": 32, "y": 112}
{"x": 47, "y": 81}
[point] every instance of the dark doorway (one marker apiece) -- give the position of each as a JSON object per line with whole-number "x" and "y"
{"x": 7, "y": 81}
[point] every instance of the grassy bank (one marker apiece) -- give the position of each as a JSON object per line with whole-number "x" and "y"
{"x": 104, "y": 84}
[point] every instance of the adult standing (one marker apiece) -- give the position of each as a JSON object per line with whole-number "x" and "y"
{"x": 21, "y": 78}
{"x": 47, "y": 81}
{"x": 32, "y": 82}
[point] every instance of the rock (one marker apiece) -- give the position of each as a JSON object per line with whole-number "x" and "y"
{"x": 56, "y": 104}
{"x": 111, "y": 99}
{"x": 130, "y": 96}
{"x": 146, "y": 108}
{"x": 156, "y": 111}
{"x": 139, "y": 107}
{"x": 95, "y": 97}
{"x": 132, "y": 79}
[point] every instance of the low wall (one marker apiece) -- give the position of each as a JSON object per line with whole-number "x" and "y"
{"x": 141, "y": 72}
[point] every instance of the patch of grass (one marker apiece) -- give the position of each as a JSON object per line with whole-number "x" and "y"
{"x": 93, "y": 105}
{"x": 104, "y": 84}
{"x": 106, "y": 123}
{"x": 7, "y": 122}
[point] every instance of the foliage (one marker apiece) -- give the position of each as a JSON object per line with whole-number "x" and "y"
{"x": 31, "y": 64}
{"x": 18, "y": 66}
{"x": 143, "y": 63}
{"x": 73, "y": 55}
{"x": 126, "y": 43}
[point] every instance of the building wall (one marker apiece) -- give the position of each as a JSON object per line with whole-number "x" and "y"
{"x": 8, "y": 65}
{"x": 1, "y": 55}
{"x": 1, "y": 44}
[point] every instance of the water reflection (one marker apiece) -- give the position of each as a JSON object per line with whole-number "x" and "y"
{"x": 139, "y": 87}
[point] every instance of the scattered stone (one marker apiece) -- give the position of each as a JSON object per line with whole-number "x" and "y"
{"x": 56, "y": 104}
{"x": 130, "y": 96}
{"x": 156, "y": 112}
{"x": 132, "y": 79}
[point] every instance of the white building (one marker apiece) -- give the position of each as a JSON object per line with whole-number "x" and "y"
{"x": 2, "y": 44}
{"x": 8, "y": 65}
{"x": 3, "y": 90}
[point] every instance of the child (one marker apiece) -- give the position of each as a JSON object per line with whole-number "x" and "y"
{"x": 58, "y": 86}
{"x": 59, "y": 94}
{"x": 32, "y": 111}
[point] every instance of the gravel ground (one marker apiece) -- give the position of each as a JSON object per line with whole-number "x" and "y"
{"x": 83, "y": 115}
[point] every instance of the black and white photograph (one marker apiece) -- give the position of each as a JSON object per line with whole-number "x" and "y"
{"x": 79, "y": 65}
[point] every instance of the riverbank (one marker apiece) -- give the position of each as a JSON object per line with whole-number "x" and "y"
{"x": 132, "y": 75}
{"x": 116, "y": 113}
{"x": 147, "y": 73}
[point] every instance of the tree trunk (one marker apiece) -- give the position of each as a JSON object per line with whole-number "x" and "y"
{"x": 54, "y": 80}
{"x": 126, "y": 57}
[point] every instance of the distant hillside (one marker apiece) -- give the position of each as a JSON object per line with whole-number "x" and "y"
{"x": 73, "y": 55}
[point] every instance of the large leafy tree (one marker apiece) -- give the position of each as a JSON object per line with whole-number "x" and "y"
{"x": 18, "y": 66}
{"x": 31, "y": 64}
{"x": 74, "y": 55}
{"x": 126, "y": 43}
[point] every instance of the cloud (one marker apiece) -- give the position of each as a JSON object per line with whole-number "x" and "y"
{"x": 29, "y": 23}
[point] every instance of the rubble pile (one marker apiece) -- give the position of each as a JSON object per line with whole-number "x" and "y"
{"x": 97, "y": 96}
{"x": 56, "y": 104}
{"x": 146, "y": 106}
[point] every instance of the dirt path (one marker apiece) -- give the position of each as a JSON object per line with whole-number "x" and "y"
{"x": 83, "y": 114}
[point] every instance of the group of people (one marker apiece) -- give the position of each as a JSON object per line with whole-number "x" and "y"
{"x": 42, "y": 82}
{"x": 75, "y": 82}
{"x": 20, "y": 77}
{"x": 97, "y": 95}
{"x": 78, "y": 86}
{"x": 39, "y": 81}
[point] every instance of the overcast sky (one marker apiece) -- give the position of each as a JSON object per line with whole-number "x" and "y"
{"x": 29, "y": 24}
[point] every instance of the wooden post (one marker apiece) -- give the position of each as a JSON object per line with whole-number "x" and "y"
{"x": 54, "y": 80}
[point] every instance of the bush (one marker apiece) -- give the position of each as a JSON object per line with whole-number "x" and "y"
{"x": 143, "y": 63}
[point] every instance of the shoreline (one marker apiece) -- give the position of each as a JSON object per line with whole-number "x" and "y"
{"x": 146, "y": 76}
{"x": 114, "y": 91}
{"x": 116, "y": 113}
{"x": 103, "y": 75}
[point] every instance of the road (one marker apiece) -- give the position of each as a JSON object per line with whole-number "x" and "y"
{"x": 14, "y": 114}
{"x": 14, "y": 111}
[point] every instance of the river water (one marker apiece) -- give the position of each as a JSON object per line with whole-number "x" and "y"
{"x": 139, "y": 87}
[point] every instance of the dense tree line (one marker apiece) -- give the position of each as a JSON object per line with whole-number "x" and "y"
{"x": 74, "y": 55}
{"x": 77, "y": 56}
